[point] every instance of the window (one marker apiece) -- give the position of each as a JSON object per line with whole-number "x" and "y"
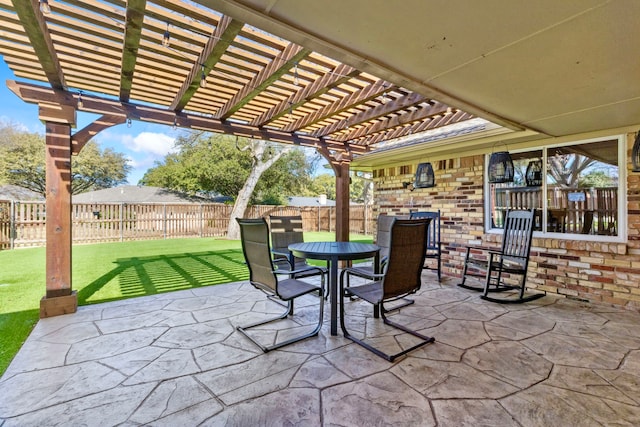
{"x": 575, "y": 188}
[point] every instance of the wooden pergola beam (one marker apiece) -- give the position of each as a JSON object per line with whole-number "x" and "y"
{"x": 216, "y": 46}
{"x": 280, "y": 65}
{"x": 39, "y": 38}
{"x": 341, "y": 74}
{"x": 379, "y": 111}
{"x": 422, "y": 113}
{"x": 35, "y": 94}
{"x": 132, "y": 33}
{"x": 358, "y": 97}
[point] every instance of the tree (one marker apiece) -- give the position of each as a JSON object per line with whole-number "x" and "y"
{"x": 566, "y": 169}
{"x": 213, "y": 164}
{"x": 22, "y": 163}
{"x": 249, "y": 171}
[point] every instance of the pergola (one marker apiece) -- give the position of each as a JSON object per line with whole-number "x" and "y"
{"x": 334, "y": 75}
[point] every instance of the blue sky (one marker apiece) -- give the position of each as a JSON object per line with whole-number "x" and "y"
{"x": 142, "y": 143}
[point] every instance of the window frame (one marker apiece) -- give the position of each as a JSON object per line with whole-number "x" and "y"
{"x": 621, "y": 237}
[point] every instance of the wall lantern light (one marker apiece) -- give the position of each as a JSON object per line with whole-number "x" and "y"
{"x": 500, "y": 167}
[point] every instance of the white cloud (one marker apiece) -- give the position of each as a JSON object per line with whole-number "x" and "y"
{"x": 156, "y": 144}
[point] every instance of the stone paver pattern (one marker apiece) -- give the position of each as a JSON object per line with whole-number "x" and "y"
{"x": 176, "y": 359}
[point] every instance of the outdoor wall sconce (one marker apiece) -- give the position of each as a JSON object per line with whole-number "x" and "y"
{"x": 500, "y": 167}
{"x": 425, "y": 177}
{"x": 533, "y": 176}
{"x": 635, "y": 154}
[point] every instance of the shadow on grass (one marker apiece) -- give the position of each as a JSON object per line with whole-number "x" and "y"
{"x": 140, "y": 276}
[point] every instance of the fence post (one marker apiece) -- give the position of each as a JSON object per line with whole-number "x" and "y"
{"x": 164, "y": 220}
{"x": 12, "y": 225}
{"x": 201, "y": 220}
{"x": 122, "y": 221}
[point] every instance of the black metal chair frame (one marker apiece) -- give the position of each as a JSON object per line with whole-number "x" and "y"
{"x": 404, "y": 265}
{"x": 512, "y": 259}
{"x": 434, "y": 245}
{"x": 264, "y": 276}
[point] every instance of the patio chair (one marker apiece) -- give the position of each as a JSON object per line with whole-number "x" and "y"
{"x": 383, "y": 240}
{"x": 286, "y": 230}
{"x": 512, "y": 259}
{"x": 433, "y": 239}
{"x": 254, "y": 235}
{"x": 401, "y": 277}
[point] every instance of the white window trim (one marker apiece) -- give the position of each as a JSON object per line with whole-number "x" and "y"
{"x": 622, "y": 194}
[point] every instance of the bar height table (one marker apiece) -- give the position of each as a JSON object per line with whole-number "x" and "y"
{"x": 333, "y": 252}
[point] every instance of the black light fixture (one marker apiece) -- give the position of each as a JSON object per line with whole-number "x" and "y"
{"x": 44, "y": 7}
{"x": 425, "y": 177}
{"x": 635, "y": 154}
{"x": 203, "y": 78}
{"x": 500, "y": 167}
{"x": 533, "y": 175}
{"x": 166, "y": 37}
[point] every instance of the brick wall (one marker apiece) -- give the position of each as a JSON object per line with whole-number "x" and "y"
{"x": 592, "y": 271}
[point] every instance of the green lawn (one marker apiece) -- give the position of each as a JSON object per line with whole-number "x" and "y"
{"x": 112, "y": 271}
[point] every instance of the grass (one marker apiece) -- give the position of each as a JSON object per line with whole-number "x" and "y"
{"x": 113, "y": 271}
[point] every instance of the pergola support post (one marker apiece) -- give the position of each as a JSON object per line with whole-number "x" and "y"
{"x": 342, "y": 201}
{"x": 59, "y": 298}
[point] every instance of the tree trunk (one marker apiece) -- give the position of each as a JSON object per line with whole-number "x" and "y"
{"x": 261, "y": 163}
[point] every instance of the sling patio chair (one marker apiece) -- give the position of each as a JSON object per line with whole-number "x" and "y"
{"x": 401, "y": 277}
{"x": 263, "y": 275}
{"x": 383, "y": 239}
{"x": 286, "y": 230}
{"x": 511, "y": 260}
{"x": 433, "y": 239}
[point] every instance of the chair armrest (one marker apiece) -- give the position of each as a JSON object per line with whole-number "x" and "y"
{"x": 301, "y": 270}
{"x": 281, "y": 251}
{"x": 356, "y": 272}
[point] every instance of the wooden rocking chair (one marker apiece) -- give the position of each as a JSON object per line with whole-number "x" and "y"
{"x": 512, "y": 259}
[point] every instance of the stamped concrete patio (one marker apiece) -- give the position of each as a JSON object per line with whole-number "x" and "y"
{"x": 176, "y": 360}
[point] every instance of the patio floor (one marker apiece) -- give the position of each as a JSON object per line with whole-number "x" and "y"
{"x": 175, "y": 359}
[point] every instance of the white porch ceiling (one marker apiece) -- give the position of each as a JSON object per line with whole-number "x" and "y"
{"x": 556, "y": 67}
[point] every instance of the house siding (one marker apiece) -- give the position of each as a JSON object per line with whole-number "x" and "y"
{"x": 602, "y": 272}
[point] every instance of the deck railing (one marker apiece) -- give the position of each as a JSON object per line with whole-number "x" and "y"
{"x": 22, "y": 223}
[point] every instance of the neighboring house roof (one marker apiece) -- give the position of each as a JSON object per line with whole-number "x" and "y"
{"x": 13, "y": 192}
{"x": 308, "y": 201}
{"x": 137, "y": 194}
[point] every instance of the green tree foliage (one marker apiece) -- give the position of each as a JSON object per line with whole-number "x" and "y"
{"x": 211, "y": 163}
{"x": 22, "y": 163}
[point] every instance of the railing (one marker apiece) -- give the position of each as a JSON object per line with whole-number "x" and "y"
{"x": 22, "y": 223}
{"x": 569, "y": 210}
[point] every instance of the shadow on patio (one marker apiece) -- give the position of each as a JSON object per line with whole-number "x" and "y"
{"x": 176, "y": 359}
{"x": 139, "y": 276}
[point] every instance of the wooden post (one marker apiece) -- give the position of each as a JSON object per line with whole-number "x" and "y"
{"x": 59, "y": 298}
{"x": 342, "y": 201}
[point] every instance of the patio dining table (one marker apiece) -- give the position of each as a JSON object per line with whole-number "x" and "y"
{"x": 333, "y": 252}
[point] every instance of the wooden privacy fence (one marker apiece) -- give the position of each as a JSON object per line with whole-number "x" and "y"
{"x": 22, "y": 223}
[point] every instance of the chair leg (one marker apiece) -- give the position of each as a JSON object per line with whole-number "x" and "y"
{"x": 243, "y": 329}
{"x": 465, "y": 273}
{"x": 389, "y": 357}
{"x": 503, "y": 287}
